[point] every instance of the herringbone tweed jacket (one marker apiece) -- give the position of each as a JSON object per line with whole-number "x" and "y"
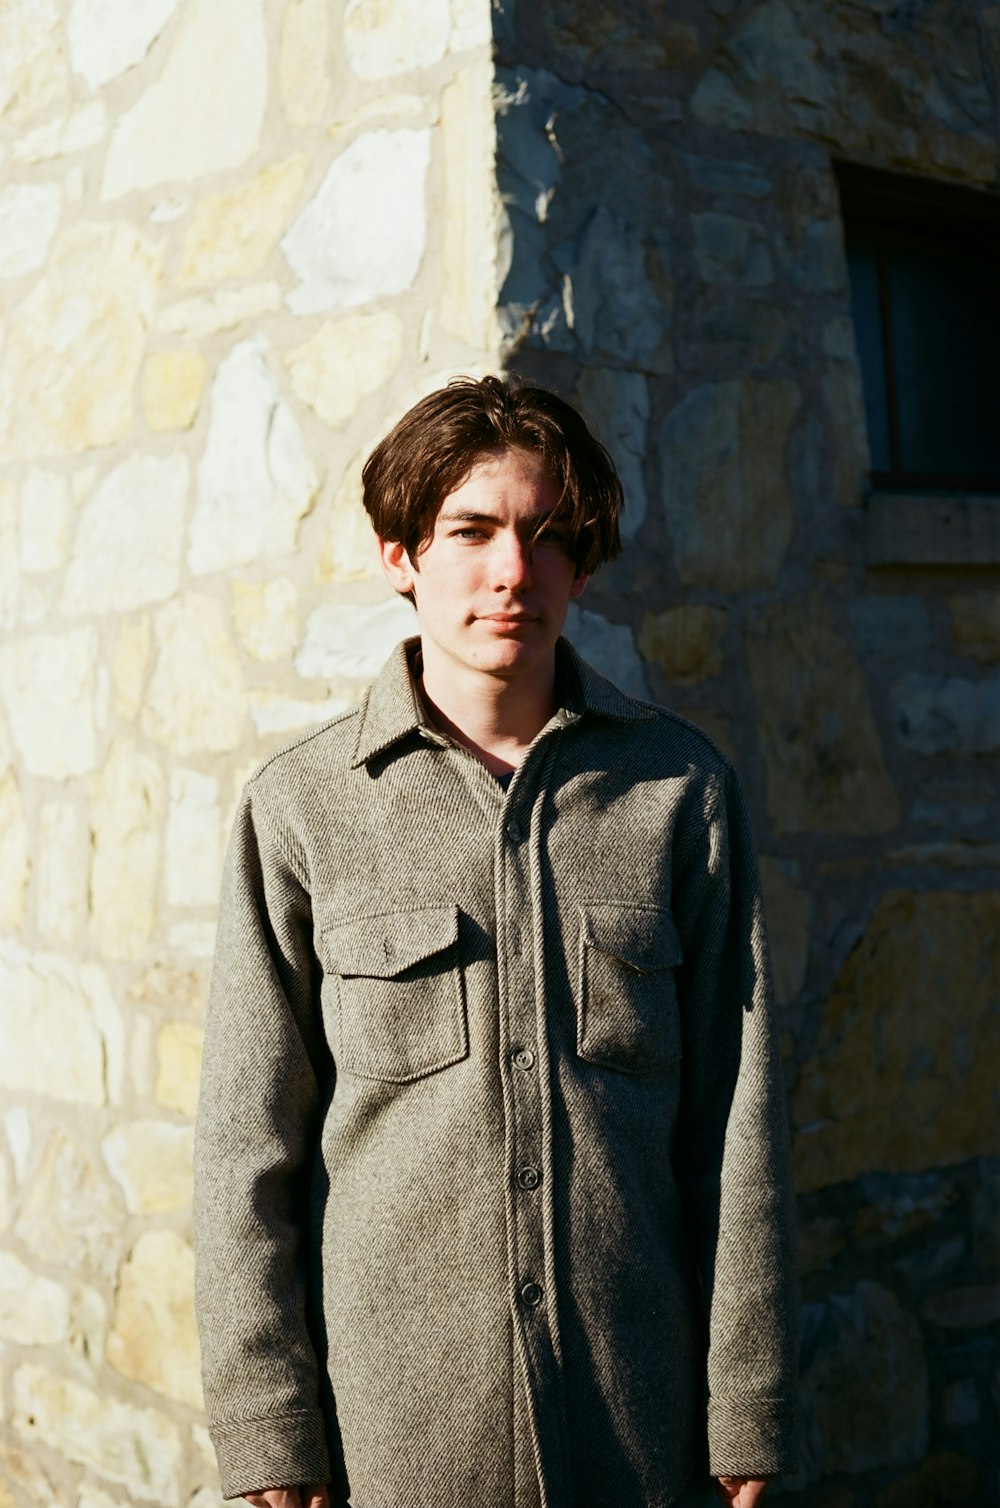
{"x": 492, "y": 1186}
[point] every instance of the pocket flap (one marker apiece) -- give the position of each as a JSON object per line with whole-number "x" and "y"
{"x": 644, "y": 937}
{"x": 382, "y": 947}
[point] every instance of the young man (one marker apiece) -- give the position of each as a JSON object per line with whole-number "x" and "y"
{"x": 493, "y": 1202}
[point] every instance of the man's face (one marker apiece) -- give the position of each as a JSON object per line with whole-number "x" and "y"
{"x": 492, "y": 592}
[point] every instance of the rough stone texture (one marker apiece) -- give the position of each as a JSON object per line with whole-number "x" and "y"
{"x": 344, "y": 361}
{"x": 204, "y": 112}
{"x": 349, "y": 547}
{"x": 350, "y": 246}
{"x": 864, "y": 1384}
{"x": 74, "y": 344}
{"x": 129, "y": 538}
{"x": 47, "y": 688}
{"x": 825, "y": 770}
{"x": 151, "y": 1163}
{"x": 105, "y": 37}
{"x": 33, "y": 72}
{"x": 136, "y": 1447}
{"x": 265, "y": 616}
{"x": 61, "y": 872}
{"x": 686, "y": 641}
{"x": 789, "y": 912}
{"x": 302, "y": 76}
{"x": 729, "y": 509}
{"x": 153, "y": 1338}
{"x": 352, "y": 641}
{"x": 172, "y": 384}
{"x": 940, "y": 714}
{"x": 193, "y": 840}
{"x": 943, "y": 1478}
{"x": 975, "y": 625}
{"x": 609, "y": 647}
{"x": 471, "y": 208}
{"x": 15, "y": 864}
{"x": 126, "y": 813}
{"x": 195, "y": 318}
{"x": 617, "y": 406}
{"x": 34, "y": 1310}
{"x": 178, "y": 1072}
{"x": 394, "y": 36}
{"x": 195, "y": 701}
{"x": 64, "y": 136}
{"x": 29, "y": 218}
{"x": 43, "y": 520}
{"x": 256, "y": 479}
{"x": 233, "y": 233}
{"x": 894, "y": 1082}
{"x": 61, "y": 1028}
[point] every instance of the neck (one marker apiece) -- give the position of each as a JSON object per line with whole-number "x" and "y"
{"x": 493, "y": 717}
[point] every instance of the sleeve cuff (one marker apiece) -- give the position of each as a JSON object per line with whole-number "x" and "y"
{"x": 752, "y": 1437}
{"x": 257, "y": 1454}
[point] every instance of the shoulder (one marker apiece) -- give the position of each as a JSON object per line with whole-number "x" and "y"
{"x": 319, "y": 755}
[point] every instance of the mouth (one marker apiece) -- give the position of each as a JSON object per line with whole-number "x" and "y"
{"x": 507, "y": 620}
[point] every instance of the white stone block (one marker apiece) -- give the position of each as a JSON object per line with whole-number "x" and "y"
{"x": 194, "y": 318}
{"x": 617, "y": 404}
{"x": 128, "y": 544}
{"x": 395, "y": 36}
{"x": 272, "y": 713}
{"x": 362, "y": 236}
{"x": 194, "y": 840}
{"x": 33, "y": 72}
{"x": 348, "y": 639}
{"x": 138, "y": 1448}
{"x": 44, "y": 520}
{"x": 17, "y": 1129}
{"x": 205, "y": 111}
{"x": 62, "y": 855}
{"x": 50, "y": 1023}
{"x": 471, "y": 24}
{"x": 125, "y": 816}
{"x": 14, "y": 858}
{"x": 256, "y": 480}
{"x": 47, "y": 686}
{"x": 266, "y": 616}
{"x": 196, "y": 702}
{"x": 151, "y": 1163}
{"x": 609, "y": 647}
{"x": 34, "y": 1310}
{"x": 81, "y": 129}
{"x": 29, "y": 218}
{"x": 107, "y": 36}
{"x": 345, "y": 360}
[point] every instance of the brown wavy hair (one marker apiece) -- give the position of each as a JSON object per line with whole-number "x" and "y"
{"x": 435, "y": 445}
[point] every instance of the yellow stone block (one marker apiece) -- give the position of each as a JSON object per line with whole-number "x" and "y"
{"x": 151, "y": 1163}
{"x": 266, "y": 617}
{"x": 233, "y": 233}
{"x": 349, "y": 548}
{"x": 178, "y": 1066}
{"x": 196, "y": 701}
{"x": 302, "y": 76}
{"x": 130, "y": 664}
{"x": 346, "y": 359}
{"x": 126, "y": 814}
{"x": 172, "y": 385}
{"x": 468, "y": 304}
{"x": 685, "y": 641}
{"x": 153, "y": 1338}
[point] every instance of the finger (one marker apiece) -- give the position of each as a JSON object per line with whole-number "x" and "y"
{"x": 275, "y": 1497}
{"x": 316, "y": 1497}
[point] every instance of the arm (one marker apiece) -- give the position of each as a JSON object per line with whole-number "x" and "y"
{"x": 265, "y": 1068}
{"x": 733, "y": 1149}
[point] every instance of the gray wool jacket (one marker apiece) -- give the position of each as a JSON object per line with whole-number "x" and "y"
{"x": 493, "y": 1205}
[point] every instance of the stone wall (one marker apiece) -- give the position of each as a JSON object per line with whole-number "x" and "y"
{"x": 237, "y": 237}
{"x": 678, "y": 265}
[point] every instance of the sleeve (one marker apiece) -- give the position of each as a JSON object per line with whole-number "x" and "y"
{"x": 733, "y": 1144}
{"x": 262, "y": 1091}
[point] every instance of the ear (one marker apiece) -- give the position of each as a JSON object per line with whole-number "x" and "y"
{"x": 579, "y": 582}
{"x": 396, "y": 564}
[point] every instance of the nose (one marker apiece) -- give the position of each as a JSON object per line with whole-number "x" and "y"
{"x": 510, "y": 562}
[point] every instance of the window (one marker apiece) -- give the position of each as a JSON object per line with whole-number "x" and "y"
{"x": 924, "y": 263}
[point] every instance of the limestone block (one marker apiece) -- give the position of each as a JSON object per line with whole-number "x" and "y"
{"x": 5, "y": 1199}
{"x": 29, "y": 218}
{"x": 107, "y": 36}
{"x": 272, "y": 713}
{"x": 10, "y": 573}
{"x": 256, "y": 480}
{"x": 935, "y": 714}
{"x": 151, "y": 1163}
{"x": 846, "y": 407}
{"x": 28, "y": 1482}
{"x": 590, "y": 34}
{"x": 172, "y": 384}
{"x": 34, "y": 1310}
{"x": 895, "y": 1083}
{"x": 685, "y": 641}
{"x": 43, "y": 520}
{"x": 725, "y": 489}
{"x": 74, "y": 132}
{"x": 617, "y": 406}
{"x": 129, "y": 664}
{"x": 195, "y": 702}
{"x": 74, "y": 344}
{"x": 233, "y": 233}
{"x": 193, "y": 839}
{"x": 349, "y": 547}
{"x": 864, "y": 1384}
{"x": 768, "y": 66}
{"x": 126, "y": 812}
{"x": 352, "y": 640}
{"x": 204, "y": 113}
{"x": 788, "y": 909}
{"x": 612, "y": 303}
{"x": 265, "y": 615}
{"x": 14, "y": 860}
{"x": 194, "y": 318}
{"x": 891, "y": 629}
{"x": 48, "y": 689}
{"x": 166, "y": 987}
{"x": 471, "y": 25}
{"x": 975, "y": 624}
{"x": 178, "y": 1073}
{"x": 302, "y": 76}
{"x": 59, "y": 1028}
{"x": 718, "y": 176}
{"x": 362, "y": 236}
{"x": 128, "y": 543}
{"x": 191, "y": 939}
{"x": 731, "y": 251}
{"x": 824, "y": 760}
{"x": 344, "y": 361}
{"x": 472, "y": 210}
{"x": 17, "y": 1128}
{"x": 394, "y": 36}
{"x": 609, "y": 647}
{"x": 153, "y": 1338}
{"x": 138, "y": 1448}
{"x": 33, "y": 71}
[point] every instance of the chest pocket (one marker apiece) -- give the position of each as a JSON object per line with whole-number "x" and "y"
{"x": 626, "y": 1001}
{"x": 399, "y": 1006}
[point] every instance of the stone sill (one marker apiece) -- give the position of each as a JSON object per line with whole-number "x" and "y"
{"x": 936, "y": 529}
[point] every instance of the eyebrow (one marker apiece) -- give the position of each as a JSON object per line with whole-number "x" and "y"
{"x": 469, "y": 516}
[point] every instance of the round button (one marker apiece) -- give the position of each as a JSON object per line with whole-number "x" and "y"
{"x": 524, "y": 1059}
{"x": 514, "y": 830}
{"x": 531, "y": 1295}
{"x": 529, "y": 1178}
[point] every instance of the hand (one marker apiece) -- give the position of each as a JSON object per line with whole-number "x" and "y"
{"x": 316, "y": 1495}
{"x": 741, "y": 1492}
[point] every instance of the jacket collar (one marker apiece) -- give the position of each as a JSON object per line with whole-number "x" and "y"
{"x": 392, "y": 708}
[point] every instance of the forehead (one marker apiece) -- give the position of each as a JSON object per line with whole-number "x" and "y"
{"x": 504, "y": 481}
